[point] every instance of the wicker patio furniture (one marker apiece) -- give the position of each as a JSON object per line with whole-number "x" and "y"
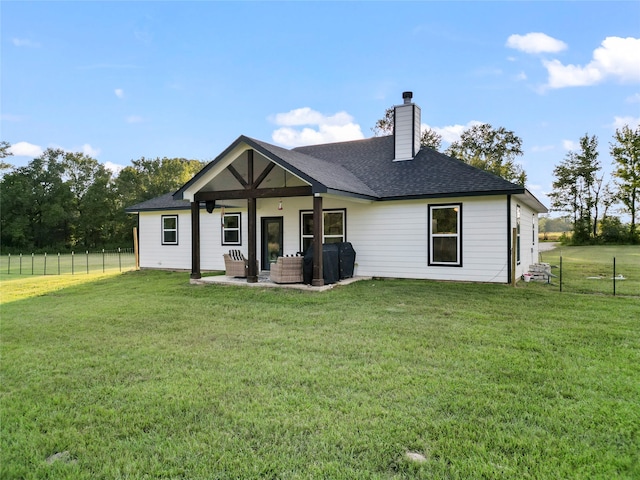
{"x": 287, "y": 270}
{"x": 235, "y": 264}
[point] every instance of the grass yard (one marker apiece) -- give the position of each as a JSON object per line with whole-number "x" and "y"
{"x": 141, "y": 375}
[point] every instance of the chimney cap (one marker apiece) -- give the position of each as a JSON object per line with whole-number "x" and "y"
{"x": 407, "y": 96}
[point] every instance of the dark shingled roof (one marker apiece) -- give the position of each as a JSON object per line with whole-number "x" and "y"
{"x": 164, "y": 202}
{"x": 429, "y": 174}
{"x": 363, "y": 168}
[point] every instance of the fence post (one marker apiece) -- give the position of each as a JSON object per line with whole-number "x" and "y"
{"x": 72, "y": 263}
{"x": 87, "y": 262}
{"x": 45, "y": 263}
{"x": 9, "y": 265}
{"x": 31, "y": 263}
{"x": 614, "y": 276}
{"x": 20, "y": 264}
{"x": 103, "y": 260}
{"x": 119, "y": 260}
{"x": 560, "y": 272}
{"x": 58, "y": 263}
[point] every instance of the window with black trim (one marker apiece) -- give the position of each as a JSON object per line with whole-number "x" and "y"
{"x": 518, "y": 234}
{"x": 333, "y": 230}
{"x": 169, "y": 230}
{"x": 445, "y": 236}
{"x": 231, "y": 233}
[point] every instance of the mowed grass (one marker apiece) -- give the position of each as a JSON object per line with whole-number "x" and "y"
{"x": 141, "y": 375}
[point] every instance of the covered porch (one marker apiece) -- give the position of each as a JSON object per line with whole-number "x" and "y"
{"x": 244, "y": 175}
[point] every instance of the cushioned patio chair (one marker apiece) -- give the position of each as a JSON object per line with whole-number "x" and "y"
{"x": 287, "y": 270}
{"x": 235, "y": 264}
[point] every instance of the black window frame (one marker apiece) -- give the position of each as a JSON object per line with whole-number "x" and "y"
{"x": 164, "y": 230}
{"x": 302, "y": 236}
{"x": 518, "y": 230}
{"x": 430, "y": 235}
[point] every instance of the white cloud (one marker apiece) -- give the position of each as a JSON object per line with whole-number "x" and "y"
{"x": 570, "y": 145}
{"x": 616, "y": 58}
{"x": 24, "y": 42}
{"x": 114, "y": 167}
{"x": 620, "y": 122}
{"x": 26, "y": 149}
{"x": 119, "y": 92}
{"x": 133, "y": 119}
{"x": 521, "y": 76}
{"x": 634, "y": 98}
{"x": 334, "y": 128}
{"x": 451, "y": 133}
{"x": 88, "y": 150}
{"x": 536, "y": 42}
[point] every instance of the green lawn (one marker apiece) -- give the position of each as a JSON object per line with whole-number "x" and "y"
{"x": 141, "y": 375}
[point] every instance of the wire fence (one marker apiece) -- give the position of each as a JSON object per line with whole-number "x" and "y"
{"x": 74, "y": 263}
{"x": 587, "y": 271}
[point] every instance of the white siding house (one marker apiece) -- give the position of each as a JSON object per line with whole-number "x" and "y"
{"x": 409, "y": 212}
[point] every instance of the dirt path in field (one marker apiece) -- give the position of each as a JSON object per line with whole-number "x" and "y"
{"x": 546, "y": 246}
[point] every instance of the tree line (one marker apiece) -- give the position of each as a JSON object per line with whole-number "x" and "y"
{"x": 69, "y": 201}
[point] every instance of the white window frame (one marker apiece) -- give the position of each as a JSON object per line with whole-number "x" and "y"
{"x": 457, "y": 207}
{"x": 237, "y": 229}
{"x": 342, "y": 237}
{"x": 165, "y": 230}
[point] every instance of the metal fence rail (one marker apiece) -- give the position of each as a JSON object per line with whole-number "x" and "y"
{"x": 74, "y": 263}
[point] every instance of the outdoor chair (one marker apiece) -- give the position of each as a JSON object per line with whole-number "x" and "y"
{"x": 235, "y": 264}
{"x": 287, "y": 270}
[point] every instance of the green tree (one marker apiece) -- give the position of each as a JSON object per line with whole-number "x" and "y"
{"x": 4, "y": 153}
{"x": 34, "y": 203}
{"x": 493, "y": 150}
{"x": 578, "y": 190}
{"x": 625, "y": 151}
{"x": 384, "y": 125}
{"x": 92, "y": 207}
{"x": 149, "y": 178}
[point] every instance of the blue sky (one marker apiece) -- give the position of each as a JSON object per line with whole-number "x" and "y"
{"x": 123, "y": 80}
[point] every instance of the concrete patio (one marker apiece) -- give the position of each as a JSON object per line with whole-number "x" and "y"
{"x": 265, "y": 281}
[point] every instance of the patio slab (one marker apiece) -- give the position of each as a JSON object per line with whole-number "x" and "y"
{"x": 265, "y": 281}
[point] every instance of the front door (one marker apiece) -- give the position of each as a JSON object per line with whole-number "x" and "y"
{"x": 271, "y": 241}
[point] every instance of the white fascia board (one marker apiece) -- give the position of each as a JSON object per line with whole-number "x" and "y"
{"x": 189, "y": 193}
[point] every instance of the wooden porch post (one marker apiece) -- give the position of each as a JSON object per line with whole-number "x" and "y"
{"x": 252, "y": 273}
{"x": 318, "y": 277}
{"x": 195, "y": 240}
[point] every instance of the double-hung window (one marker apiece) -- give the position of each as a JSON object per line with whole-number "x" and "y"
{"x": 169, "y": 230}
{"x": 333, "y": 228}
{"x": 231, "y": 229}
{"x": 445, "y": 235}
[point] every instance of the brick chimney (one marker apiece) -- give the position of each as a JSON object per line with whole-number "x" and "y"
{"x": 406, "y": 129}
